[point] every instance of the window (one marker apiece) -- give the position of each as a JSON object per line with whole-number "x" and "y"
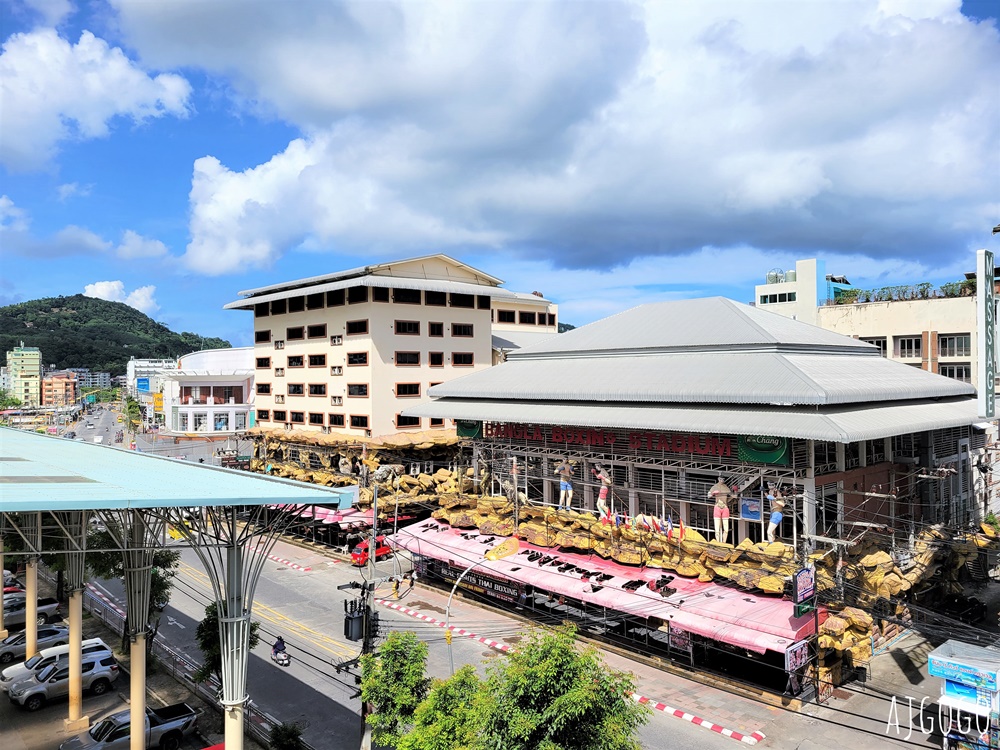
{"x": 436, "y": 299}
{"x": 461, "y": 329}
{"x": 317, "y": 360}
{"x": 359, "y": 422}
{"x": 336, "y": 370}
{"x": 336, "y": 400}
{"x": 335, "y": 298}
{"x": 505, "y": 316}
{"x": 357, "y": 294}
{"x": 279, "y": 307}
{"x": 317, "y": 389}
{"x": 295, "y": 334}
{"x": 315, "y": 418}
{"x": 263, "y": 363}
{"x": 526, "y": 318}
{"x": 408, "y": 327}
{"x": 263, "y": 415}
{"x": 552, "y": 319}
{"x": 279, "y": 398}
{"x": 462, "y": 359}
{"x": 296, "y": 389}
{"x": 406, "y": 296}
{"x": 279, "y": 372}
{"x": 402, "y": 421}
{"x": 298, "y": 417}
{"x": 357, "y": 358}
{"x": 279, "y": 416}
{"x": 296, "y": 304}
{"x": 336, "y": 340}
{"x": 908, "y": 346}
{"x": 407, "y": 358}
{"x": 357, "y": 327}
{"x": 295, "y": 360}
{"x": 315, "y": 302}
{"x": 263, "y": 388}
{"x": 436, "y": 422}
{"x": 436, "y": 359}
{"x": 316, "y": 331}
{"x": 878, "y": 341}
{"x": 279, "y": 344}
{"x": 435, "y": 329}
{"x": 961, "y": 372}
{"x": 261, "y": 310}
{"x": 357, "y": 390}
{"x": 262, "y": 337}
{"x": 336, "y": 420}
{"x": 463, "y": 300}
{"x": 407, "y": 389}
{"x": 380, "y": 294}
{"x": 952, "y": 345}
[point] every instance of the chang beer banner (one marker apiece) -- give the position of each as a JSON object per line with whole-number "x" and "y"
{"x": 986, "y": 339}
{"x": 763, "y": 449}
{"x": 469, "y": 428}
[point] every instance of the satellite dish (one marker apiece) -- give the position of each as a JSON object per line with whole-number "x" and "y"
{"x": 775, "y": 276}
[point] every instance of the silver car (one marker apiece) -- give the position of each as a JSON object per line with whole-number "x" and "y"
{"x": 14, "y": 647}
{"x": 53, "y": 682}
{"x": 47, "y": 656}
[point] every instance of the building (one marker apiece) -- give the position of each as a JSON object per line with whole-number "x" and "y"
{"x": 59, "y": 388}
{"x": 145, "y": 380}
{"x": 4, "y": 379}
{"x": 24, "y": 368}
{"x": 210, "y": 392}
{"x": 522, "y": 321}
{"x": 346, "y": 352}
{"x": 88, "y": 379}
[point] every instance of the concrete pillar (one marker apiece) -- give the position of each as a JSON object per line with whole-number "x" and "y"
{"x": 232, "y": 726}
{"x": 76, "y": 720}
{"x": 137, "y": 693}
{"x": 31, "y": 608}
{"x": 3, "y": 630}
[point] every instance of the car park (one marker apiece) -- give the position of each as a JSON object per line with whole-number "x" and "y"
{"x": 32, "y": 693}
{"x": 48, "y": 656}
{"x": 15, "y": 610}
{"x": 14, "y": 647}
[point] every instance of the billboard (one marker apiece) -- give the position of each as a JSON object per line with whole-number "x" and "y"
{"x": 986, "y": 334}
{"x": 142, "y": 385}
{"x": 158, "y": 402}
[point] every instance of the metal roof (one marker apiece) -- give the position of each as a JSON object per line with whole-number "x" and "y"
{"x": 694, "y": 324}
{"x": 43, "y": 472}
{"x": 840, "y": 424}
{"x": 399, "y": 282}
{"x": 508, "y": 340}
{"x": 714, "y": 377}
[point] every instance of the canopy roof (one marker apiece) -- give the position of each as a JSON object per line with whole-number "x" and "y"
{"x": 43, "y": 472}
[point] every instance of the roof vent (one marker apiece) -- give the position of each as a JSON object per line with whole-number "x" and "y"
{"x": 775, "y": 276}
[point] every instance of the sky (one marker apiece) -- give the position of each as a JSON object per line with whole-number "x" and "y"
{"x": 170, "y": 154}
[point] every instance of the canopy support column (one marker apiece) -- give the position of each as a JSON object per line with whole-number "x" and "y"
{"x": 3, "y": 630}
{"x": 74, "y": 526}
{"x": 33, "y": 526}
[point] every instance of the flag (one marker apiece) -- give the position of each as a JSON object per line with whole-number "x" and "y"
{"x": 681, "y": 522}
{"x": 618, "y": 519}
{"x": 670, "y": 527}
{"x": 607, "y": 516}
{"x": 656, "y": 525}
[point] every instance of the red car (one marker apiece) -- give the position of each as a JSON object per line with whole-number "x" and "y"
{"x": 359, "y": 555}
{"x": 13, "y": 590}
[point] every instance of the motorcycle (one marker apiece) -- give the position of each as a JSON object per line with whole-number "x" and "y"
{"x": 281, "y": 658}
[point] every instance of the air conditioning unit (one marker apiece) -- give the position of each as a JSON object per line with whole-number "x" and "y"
{"x": 279, "y": 399}
{"x": 336, "y": 400}
{"x": 336, "y": 340}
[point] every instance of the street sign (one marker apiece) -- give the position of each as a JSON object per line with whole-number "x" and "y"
{"x": 986, "y": 334}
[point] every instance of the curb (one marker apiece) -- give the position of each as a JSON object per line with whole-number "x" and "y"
{"x": 92, "y": 590}
{"x": 750, "y": 739}
{"x": 288, "y": 563}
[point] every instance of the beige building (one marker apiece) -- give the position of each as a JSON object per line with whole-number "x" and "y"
{"x": 59, "y": 388}
{"x": 349, "y": 351}
{"x": 24, "y": 369}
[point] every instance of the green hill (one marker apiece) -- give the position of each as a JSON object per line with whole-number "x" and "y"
{"x": 83, "y": 331}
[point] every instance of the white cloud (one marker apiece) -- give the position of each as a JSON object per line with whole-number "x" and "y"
{"x": 53, "y": 12}
{"x": 134, "y": 245}
{"x": 12, "y": 218}
{"x": 114, "y": 291}
{"x": 54, "y": 91}
{"x": 73, "y": 189}
{"x": 599, "y": 132}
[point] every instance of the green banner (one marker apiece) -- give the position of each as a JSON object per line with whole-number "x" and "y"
{"x": 763, "y": 449}
{"x": 468, "y": 428}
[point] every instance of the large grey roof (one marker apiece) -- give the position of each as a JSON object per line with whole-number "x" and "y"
{"x": 839, "y": 424}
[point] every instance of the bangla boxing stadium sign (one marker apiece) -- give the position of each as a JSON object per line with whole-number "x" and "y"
{"x": 751, "y": 449}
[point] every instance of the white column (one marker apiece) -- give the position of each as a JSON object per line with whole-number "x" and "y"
{"x": 3, "y": 630}
{"x": 76, "y": 720}
{"x": 137, "y": 693}
{"x": 31, "y": 608}
{"x": 232, "y": 727}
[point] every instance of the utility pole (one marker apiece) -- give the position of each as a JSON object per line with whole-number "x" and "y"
{"x": 367, "y": 645}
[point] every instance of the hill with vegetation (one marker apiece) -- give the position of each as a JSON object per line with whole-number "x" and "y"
{"x": 83, "y": 331}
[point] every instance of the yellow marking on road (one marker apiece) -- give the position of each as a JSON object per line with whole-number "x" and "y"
{"x": 268, "y": 614}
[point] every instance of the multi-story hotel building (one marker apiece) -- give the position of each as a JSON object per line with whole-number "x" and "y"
{"x": 348, "y": 351}
{"x": 24, "y": 368}
{"x": 59, "y": 388}
{"x": 210, "y": 392}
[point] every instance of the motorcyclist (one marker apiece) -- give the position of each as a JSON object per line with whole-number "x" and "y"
{"x": 279, "y": 647}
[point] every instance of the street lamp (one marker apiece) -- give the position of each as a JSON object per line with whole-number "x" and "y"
{"x": 506, "y": 548}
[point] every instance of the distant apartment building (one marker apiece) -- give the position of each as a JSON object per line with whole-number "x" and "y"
{"x": 4, "y": 379}
{"x": 145, "y": 380}
{"x": 521, "y": 321}
{"x": 934, "y": 333}
{"x": 24, "y": 368}
{"x": 59, "y": 388}
{"x": 210, "y": 392}
{"x": 88, "y": 379}
{"x": 347, "y": 352}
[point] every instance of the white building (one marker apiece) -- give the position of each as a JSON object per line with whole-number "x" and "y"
{"x": 210, "y": 392}
{"x": 348, "y": 351}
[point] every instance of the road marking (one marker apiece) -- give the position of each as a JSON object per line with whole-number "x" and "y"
{"x": 172, "y": 621}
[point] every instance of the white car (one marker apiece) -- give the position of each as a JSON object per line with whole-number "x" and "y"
{"x": 13, "y": 647}
{"x": 47, "y": 656}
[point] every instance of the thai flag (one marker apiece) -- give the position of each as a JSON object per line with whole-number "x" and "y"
{"x": 670, "y": 527}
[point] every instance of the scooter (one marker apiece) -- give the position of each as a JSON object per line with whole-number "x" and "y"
{"x": 281, "y": 658}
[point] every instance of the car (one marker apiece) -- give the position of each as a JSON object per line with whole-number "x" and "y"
{"x": 359, "y": 555}
{"x": 14, "y": 588}
{"x": 70, "y": 435}
{"x": 31, "y": 693}
{"x": 47, "y": 656}
{"x": 13, "y": 647}
{"x": 90, "y": 426}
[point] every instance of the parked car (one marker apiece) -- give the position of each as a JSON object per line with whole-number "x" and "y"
{"x": 47, "y": 656}
{"x": 31, "y": 693}
{"x": 13, "y": 647}
{"x": 165, "y": 729}
{"x": 359, "y": 555}
{"x": 15, "y": 609}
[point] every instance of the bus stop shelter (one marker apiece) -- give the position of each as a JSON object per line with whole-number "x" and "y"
{"x": 51, "y": 488}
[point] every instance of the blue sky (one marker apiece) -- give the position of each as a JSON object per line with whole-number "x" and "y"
{"x": 605, "y": 153}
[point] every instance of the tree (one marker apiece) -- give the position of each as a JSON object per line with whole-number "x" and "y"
{"x": 7, "y": 400}
{"x": 207, "y": 635}
{"x": 449, "y": 718}
{"x": 285, "y": 737}
{"x": 393, "y": 682}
